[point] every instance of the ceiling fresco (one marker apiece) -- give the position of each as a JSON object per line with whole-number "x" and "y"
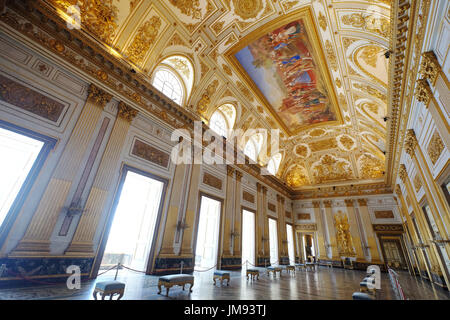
{"x": 315, "y": 69}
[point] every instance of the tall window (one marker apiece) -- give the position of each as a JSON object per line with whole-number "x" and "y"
{"x": 223, "y": 119}
{"x": 290, "y": 239}
{"x": 18, "y": 155}
{"x": 166, "y": 82}
{"x": 253, "y": 146}
{"x": 274, "y": 164}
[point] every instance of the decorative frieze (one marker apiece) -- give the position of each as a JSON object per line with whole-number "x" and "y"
{"x": 29, "y": 100}
{"x": 303, "y": 216}
{"x": 387, "y": 228}
{"x": 384, "y": 214}
{"x": 149, "y": 153}
{"x": 247, "y": 196}
{"x": 212, "y": 181}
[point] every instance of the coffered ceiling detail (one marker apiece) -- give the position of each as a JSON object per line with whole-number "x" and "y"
{"x": 340, "y": 139}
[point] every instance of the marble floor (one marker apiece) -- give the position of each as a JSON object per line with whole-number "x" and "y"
{"x": 322, "y": 284}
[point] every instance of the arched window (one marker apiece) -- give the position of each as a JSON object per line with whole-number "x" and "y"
{"x": 166, "y": 82}
{"x": 174, "y": 77}
{"x": 253, "y": 146}
{"x": 223, "y": 119}
{"x": 274, "y": 164}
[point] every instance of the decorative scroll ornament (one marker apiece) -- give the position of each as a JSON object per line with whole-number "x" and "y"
{"x": 126, "y": 112}
{"x": 143, "y": 40}
{"x": 423, "y": 92}
{"x": 97, "y": 16}
{"x": 98, "y": 96}
{"x": 435, "y": 147}
{"x": 247, "y": 9}
{"x": 322, "y": 21}
{"x": 372, "y": 23}
{"x": 429, "y": 67}
{"x": 370, "y": 166}
{"x": 330, "y": 168}
{"x": 190, "y": 8}
{"x": 343, "y": 237}
{"x": 206, "y": 98}
{"x": 417, "y": 183}
{"x": 297, "y": 176}
{"x": 331, "y": 56}
{"x": 398, "y": 190}
{"x": 410, "y": 142}
{"x": 403, "y": 174}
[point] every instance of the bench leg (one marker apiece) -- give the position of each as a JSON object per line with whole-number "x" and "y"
{"x": 190, "y": 288}
{"x": 167, "y": 291}
{"x": 183, "y": 286}
{"x": 120, "y": 295}
{"x": 159, "y": 288}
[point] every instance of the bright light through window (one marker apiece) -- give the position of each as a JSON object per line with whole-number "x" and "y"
{"x": 18, "y": 154}
{"x": 290, "y": 239}
{"x": 273, "y": 242}
{"x": 250, "y": 150}
{"x": 168, "y": 84}
{"x": 218, "y": 124}
{"x": 274, "y": 163}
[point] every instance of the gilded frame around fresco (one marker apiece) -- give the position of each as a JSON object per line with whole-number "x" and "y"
{"x": 319, "y": 58}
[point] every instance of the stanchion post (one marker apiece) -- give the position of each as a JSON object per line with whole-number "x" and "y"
{"x": 117, "y": 271}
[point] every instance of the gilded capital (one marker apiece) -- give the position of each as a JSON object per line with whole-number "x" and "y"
{"x": 429, "y": 67}
{"x": 316, "y": 204}
{"x": 398, "y": 190}
{"x": 410, "y": 142}
{"x": 362, "y": 202}
{"x": 423, "y": 91}
{"x": 238, "y": 175}
{"x": 402, "y": 173}
{"x": 98, "y": 96}
{"x": 327, "y": 203}
{"x": 126, "y": 112}
{"x": 349, "y": 202}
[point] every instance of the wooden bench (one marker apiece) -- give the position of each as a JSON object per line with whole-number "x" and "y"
{"x": 110, "y": 288}
{"x": 175, "y": 280}
{"x": 221, "y": 275}
{"x": 274, "y": 270}
{"x": 253, "y": 273}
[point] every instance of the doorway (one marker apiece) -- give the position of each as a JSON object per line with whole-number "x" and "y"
{"x": 248, "y": 237}
{"x": 273, "y": 242}
{"x": 207, "y": 244}
{"x": 131, "y": 236}
{"x": 309, "y": 252}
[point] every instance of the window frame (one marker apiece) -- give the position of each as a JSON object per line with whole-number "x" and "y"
{"x": 172, "y": 71}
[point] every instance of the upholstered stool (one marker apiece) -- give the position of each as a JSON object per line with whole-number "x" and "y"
{"x": 175, "y": 280}
{"x": 364, "y": 285}
{"x": 109, "y": 288}
{"x": 362, "y": 296}
{"x": 274, "y": 270}
{"x": 253, "y": 273}
{"x": 300, "y": 266}
{"x": 290, "y": 268}
{"x": 221, "y": 275}
{"x": 310, "y": 265}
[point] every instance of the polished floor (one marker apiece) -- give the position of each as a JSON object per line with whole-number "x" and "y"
{"x": 322, "y": 284}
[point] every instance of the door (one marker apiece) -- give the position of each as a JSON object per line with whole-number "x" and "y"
{"x": 248, "y": 238}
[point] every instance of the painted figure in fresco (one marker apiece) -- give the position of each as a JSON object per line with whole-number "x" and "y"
{"x": 286, "y": 53}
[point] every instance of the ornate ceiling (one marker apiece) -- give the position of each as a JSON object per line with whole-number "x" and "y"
{"x": 340, "y": 140}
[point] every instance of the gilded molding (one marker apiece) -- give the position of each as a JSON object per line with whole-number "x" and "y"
{"x": 430, "y": 67}
{"x": 398, "y": 190}
{"x": 410, "y": 142}
{"x": 126, "y": 112}
{"x": 238, "y": 175}
{"x": 327, "y": 203}
{"x": 316, "y": 204}
{"x": 98, "y": 96}
{"x": 230, "y": 171}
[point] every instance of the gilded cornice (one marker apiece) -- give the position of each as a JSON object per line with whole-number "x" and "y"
{"x": 238, "y": 175}
{"x": 327, "y": 203}
{"x": 406, "y": 46}
{"x": 348, "y": 202}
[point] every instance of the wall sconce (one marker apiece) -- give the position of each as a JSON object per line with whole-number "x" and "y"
{"x": 181, "y": 226}
{"x": 73, "y": 210}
